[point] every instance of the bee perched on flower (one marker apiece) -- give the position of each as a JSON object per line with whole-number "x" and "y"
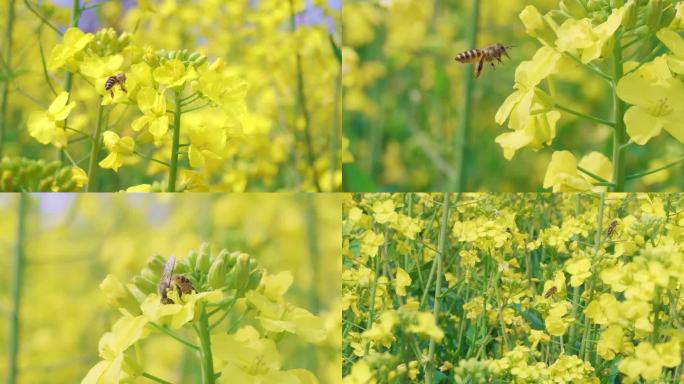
{"x": 119, "y": 78}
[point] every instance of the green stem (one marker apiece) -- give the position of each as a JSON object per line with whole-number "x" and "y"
{"x": 174, "y": 336}
{"x": 585, "y": 116}
{"x": 301, "y": 96}
{"x": 197, "y": 107}
{"x": 441, "y": 244}
{"x": 41, "y": 17}
{"x": 69, "y": 76}
{"x": 641, "y": 174}
{"x": 619, "y": 132}
{"x": 155, "y": 378}
{"x": 374, "y": 287}
{"x": 595, "y": 176}
{"x": 150, "y": 158}
{"x": 203, "y": 330}
{"x": 19, "y": 258}
{"x": 573, "y": 329}
{"x": 590, "y": 67}
{"x": 9, "y": 29}
{"x": 176, "y": 142}
{"x": 95, "y": 147}
{"x": 461, "y": 136}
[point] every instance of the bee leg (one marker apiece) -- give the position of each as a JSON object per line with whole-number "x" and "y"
{"x": 111, "y": 92}
{"x": 478, "y": 68}
{"x": 493, "y": 66}
{"x": 506, "y": 53}
{"x": 123, "y": 88}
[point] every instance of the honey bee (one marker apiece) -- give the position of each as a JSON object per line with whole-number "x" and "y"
{"x": 485, "y": 55}
{"x": 170, "y": 281}
{"x": 119, "y": 78}
{"x": 611, "y": 228}
{"x": 550, "y": 292}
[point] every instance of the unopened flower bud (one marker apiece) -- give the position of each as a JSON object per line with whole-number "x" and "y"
{"x": 203, "y": 259}
{"x": 118, "y": 296}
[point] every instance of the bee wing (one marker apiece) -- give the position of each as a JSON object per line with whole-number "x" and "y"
{"x": 478, "y": 67}
{"x": 166, "y": 273}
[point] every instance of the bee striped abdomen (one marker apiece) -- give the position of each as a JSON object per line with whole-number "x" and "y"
{"x": 469, "y": 56}
{"x": 111, "y": 80}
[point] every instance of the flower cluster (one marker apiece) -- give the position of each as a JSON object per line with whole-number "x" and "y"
{"x": 217, "y": 95}
{"x": 236, "y": 308}
{"x": 612, "y": 42}
{"x": 513, "y": 288}
{"x": 20, "y": 175}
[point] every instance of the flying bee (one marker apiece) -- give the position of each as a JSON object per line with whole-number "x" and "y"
{"x": 119, "y": 78}
{"x": 485, "y": 55}
{"x": 550, "y": 292}
{"x": 611, "y": 228}
{"x": 170, "y": 281}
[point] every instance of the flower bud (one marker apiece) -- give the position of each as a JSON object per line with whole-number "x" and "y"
{"x": 655, "y": 9}
{"x": 150, "y": 274}
{"x": 145, "y": 285}
{"x": 217, "y": 273}
{"x": 242, "y": 273}
{"x": 594, "y": 5}
{"x": 156, "y": 262}
{"x": 629, "y": 18}
{"x": 184, "y": 265}
{"x": 617, "y": 3}
{"x": 254, "y": 279}
{"x": 574, "y": 8}
{"x": 118, "y": 296}
{"x": 203, "y": 259}
{"x": 537, "y": 26}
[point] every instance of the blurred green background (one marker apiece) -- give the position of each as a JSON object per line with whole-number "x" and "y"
{"x": 73, "y": 241}
{"x": 403, "y": 98}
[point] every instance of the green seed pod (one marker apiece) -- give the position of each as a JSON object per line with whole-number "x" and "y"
{"x": 194, "y": 56}
{"x": 655, "y": 9}
{"x": 630, "y": 16}
{"x": 217, "y": 274}
{"x": 574, "y": 8}
{"x": 144, "y": 284}
{"x": 172, "y": 55}
{"x": 203, "y": 259}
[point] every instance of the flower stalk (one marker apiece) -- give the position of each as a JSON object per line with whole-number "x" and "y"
{"x": 619, "y": 130}
{"x": 7, "y": 57}
{"x": 203, "y": 330}
{"x": 438, "y": 282}
{"x": 173, "y": 170}
{"x": 461, "y": 136}
{"x": 95, "y": 148}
